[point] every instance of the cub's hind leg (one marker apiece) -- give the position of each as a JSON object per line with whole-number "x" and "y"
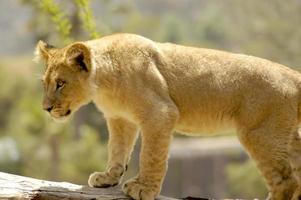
{"x": 268, "y": 146}
{"x": 295, "y": 160}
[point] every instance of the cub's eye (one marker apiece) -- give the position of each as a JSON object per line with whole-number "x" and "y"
{"x": 60, "y": 84}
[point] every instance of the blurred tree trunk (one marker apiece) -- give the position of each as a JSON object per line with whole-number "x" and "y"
{"x": 78, "y": 121}
{"x": 75, "y": 21}
{"x": 54, "y": 145}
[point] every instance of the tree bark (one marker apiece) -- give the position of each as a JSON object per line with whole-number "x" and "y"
{"x": 13, "y": 187}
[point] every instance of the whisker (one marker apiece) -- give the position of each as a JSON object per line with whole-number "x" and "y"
{"x": 39, "y": 77}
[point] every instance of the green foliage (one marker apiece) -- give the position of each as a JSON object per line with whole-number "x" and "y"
{"x": 82, "y": 157}
{"x": 266, "y": 29}
{"x": 63, "y": 18}
{"x": 245, "y": 182}
{"x": 85, "y": 13}
{"x": 59, "y": 18}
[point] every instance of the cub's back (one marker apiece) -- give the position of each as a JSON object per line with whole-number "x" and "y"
{"x": 214, "y": 86}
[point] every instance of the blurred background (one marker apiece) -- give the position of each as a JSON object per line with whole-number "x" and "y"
{"x": 31, "y": 144}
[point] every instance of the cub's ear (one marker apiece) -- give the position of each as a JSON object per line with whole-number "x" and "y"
{"x": 78, "y": 55}
{"x": 42, "y": 51}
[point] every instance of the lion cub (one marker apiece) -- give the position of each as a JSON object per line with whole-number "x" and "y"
{"x": 156, "y": 88}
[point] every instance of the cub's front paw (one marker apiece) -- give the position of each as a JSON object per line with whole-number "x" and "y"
{"x": 102, "y": 180}
{"x": 139, "y": 191}
{"x": 109, "y": 178}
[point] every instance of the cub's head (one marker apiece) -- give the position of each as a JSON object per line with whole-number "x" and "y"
{"x": 67, "y": 78}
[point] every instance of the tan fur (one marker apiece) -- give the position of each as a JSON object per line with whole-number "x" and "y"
{"x": 157, "y": 88}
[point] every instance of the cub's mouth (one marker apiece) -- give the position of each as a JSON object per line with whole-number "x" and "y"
{"x": 59, "y": 115}
{"x": 68, "y": 112}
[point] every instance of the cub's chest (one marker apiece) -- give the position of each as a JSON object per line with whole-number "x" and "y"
{"x": 111, "y": 105}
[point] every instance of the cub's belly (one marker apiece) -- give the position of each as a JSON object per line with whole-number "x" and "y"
{"x": 205, "y": 126}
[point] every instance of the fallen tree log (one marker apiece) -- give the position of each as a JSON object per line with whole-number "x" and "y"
{"x": 13, "y": 187}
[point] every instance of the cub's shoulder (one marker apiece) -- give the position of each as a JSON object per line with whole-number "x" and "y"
{"x": 121, "y": 39}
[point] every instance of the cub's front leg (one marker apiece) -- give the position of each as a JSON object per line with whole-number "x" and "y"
{"x": 156, "y": 133}
{"x": 123, "y": 135}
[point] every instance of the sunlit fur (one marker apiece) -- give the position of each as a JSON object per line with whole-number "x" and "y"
{"x": 156, "y": 88}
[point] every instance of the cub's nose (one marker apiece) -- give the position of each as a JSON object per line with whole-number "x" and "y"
{"x": 49, "y": 108}
{"x": 47, "y": 104}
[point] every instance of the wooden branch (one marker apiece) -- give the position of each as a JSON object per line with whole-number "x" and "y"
{"x": 13, "y": 187}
